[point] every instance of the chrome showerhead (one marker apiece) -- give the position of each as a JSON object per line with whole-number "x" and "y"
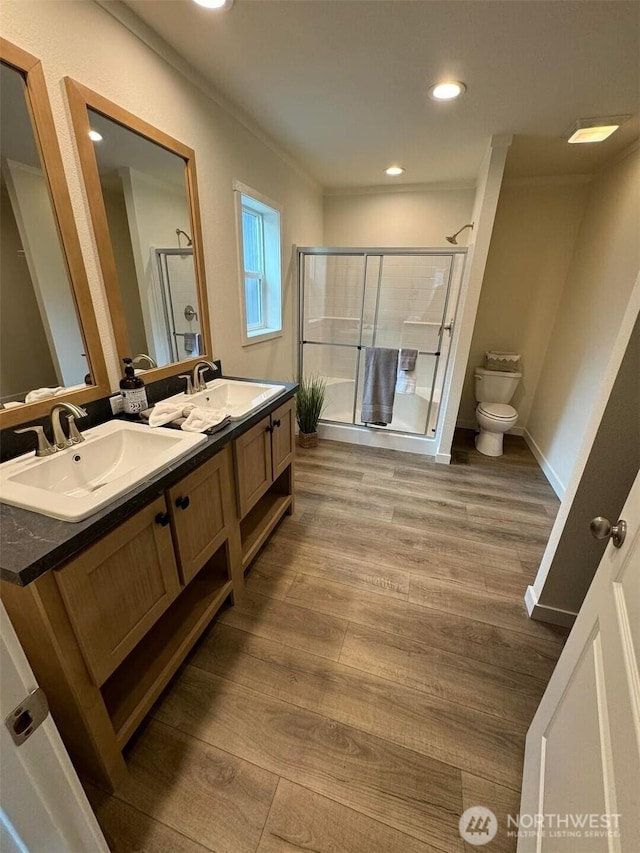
{"x": 179, "y": 231}
{"x": 452, "y": 238}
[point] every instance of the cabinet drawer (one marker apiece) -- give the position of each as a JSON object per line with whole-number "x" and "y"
{"x": 200, "y": 508}
{"x": 116, "y": 589}
{"x": 252, "y": 453}
{"x": 283, "y": 437}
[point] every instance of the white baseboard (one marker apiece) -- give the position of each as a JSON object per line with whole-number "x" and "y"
{"x": 443, "y": 458}
{"x": 544, "y": 613}
{"x": 556, "y": 483}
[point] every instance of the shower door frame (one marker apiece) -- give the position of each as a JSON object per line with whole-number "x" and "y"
{"x": 165, "y": 294}
{"x": 377, "y": 252}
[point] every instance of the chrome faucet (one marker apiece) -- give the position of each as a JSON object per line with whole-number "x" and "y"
{"x": 60, "y": 440}
{"x": 198, "y": 381}
{"x": 44, "y": 446}
{"x": 152, "y": 362}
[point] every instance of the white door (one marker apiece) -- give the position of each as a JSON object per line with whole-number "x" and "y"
{"x": 581, "y": 783}
{"x": 43, "y": 808}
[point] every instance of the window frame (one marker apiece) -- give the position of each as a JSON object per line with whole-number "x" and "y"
{"x": 270, "y": 213}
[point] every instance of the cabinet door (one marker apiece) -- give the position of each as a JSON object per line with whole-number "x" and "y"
{"x": 253, "y": 465}
{"x": 199, "y": 507}
{"x": 283, "y": 437}
{"x": 115, "y": 590}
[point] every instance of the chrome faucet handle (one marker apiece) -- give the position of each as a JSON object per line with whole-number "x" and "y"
{"x": 59, "y": 438}
{"x": 189, "y": 390}
{"x": 202, "y": 385}
{"x": 44, "y": 447}
{"x": 75, "y": 436}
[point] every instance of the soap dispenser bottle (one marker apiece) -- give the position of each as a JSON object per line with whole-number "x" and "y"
{"x": 133, "y": 392}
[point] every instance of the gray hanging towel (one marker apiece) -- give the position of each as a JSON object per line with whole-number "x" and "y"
{"x": 193, "y": 343}
{"x": 408, "y": 358}
{"x": 380, "y": 371}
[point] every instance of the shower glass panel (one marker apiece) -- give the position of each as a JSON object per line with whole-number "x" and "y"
{"x": 339, "y": 365}
{"x": 352, "y": 299}
{"x": 334, "y": 308}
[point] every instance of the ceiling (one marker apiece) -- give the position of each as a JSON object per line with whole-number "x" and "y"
{"x": 341, "y": 85}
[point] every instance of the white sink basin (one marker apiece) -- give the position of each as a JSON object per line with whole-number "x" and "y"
{"x": 233, "y": 397}
{"x": 74, "y": 483}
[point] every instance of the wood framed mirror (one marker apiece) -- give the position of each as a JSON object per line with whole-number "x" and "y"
{"x": 143, "y": 199}
{"x": 49, "y": 340}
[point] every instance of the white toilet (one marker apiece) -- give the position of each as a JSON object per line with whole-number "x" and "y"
{"x": 494, "y": 390}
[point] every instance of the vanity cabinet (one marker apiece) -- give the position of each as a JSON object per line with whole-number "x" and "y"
{"x": 201, "y": 510}
{"x": 118, "y": 588}
{"x": 106, "y": 631}
{"x": 263, "y": 459}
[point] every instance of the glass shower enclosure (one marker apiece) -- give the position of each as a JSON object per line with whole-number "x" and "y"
{"x": 351, "y": 299}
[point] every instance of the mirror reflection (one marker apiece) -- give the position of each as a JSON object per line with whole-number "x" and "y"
{"x": 146, "y": 201}
{"x": 42, "y": 352}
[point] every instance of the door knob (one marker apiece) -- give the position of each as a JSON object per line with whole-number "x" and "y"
{"x": 601, "y": 528}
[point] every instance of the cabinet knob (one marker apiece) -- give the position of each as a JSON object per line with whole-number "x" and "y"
{"x": 268, "y": 429}
{"x": 276, "y": 423}
{"x": 162, "y": 518}
{"x": 183, "y": 502}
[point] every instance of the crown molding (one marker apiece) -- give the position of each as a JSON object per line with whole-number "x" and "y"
{"x": 444, "y": 186}
{"x": 547, "y": 180}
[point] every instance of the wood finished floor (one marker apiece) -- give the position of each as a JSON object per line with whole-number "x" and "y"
{"x": 378, "y": 677}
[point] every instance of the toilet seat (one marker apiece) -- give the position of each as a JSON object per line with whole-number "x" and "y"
{"x": 497, "y": 411}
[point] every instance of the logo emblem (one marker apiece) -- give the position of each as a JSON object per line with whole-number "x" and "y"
{"x": 478, "y": 826}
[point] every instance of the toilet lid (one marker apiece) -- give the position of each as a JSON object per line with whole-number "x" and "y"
{"x": 497, "y": 410}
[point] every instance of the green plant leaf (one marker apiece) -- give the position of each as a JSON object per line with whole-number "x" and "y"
{"x": 310, "y": 400}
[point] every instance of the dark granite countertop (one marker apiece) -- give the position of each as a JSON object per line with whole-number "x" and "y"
{"x": 32, "y": 544}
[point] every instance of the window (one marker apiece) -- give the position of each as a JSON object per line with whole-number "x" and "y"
{"x": 259, "y": 261}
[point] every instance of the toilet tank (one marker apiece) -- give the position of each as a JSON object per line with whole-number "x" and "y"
{"x": 495, "y": 386}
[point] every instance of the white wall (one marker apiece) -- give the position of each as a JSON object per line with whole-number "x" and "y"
{"x": 116, "y": 210}
{"x": 608, "y": 475}
{"x": 25, "y": 362}
{"x": 397, "y": 219}
{"x": 154, "y": 210}
{"x": 531, "y": 248}
{"x": 34, "y": 216}
{"x": 599, "y": 283}
{"x": 81, "y": 40}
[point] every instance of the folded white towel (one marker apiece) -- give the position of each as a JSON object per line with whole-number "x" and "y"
{"x": 166, "y": 411}
{"x": 13, "y": 404}
{"x": 43, "y": 394}
{"x": 69, "y": 388}
{"x": 200, "y": 420}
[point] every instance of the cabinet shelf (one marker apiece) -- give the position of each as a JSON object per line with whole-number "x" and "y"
{"x": 256, "y": 526}
{"x": 133, "y": 688}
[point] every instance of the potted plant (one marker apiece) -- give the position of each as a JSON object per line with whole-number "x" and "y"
{"x": 309, "y": 405}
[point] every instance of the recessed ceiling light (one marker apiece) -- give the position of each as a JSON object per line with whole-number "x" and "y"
{"x": 594, "y": 129}
{"x": 94, "y": 136}
{"x": 447, "y": 90}
{"x": 214, "y": 4}
{"x": 394, "y": 170}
